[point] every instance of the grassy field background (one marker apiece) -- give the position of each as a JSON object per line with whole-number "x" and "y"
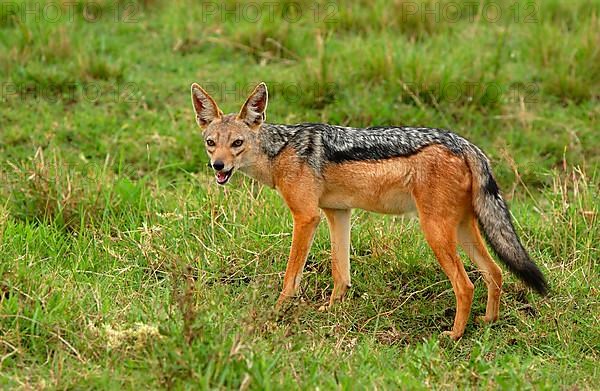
{"x": 122, "y": 264}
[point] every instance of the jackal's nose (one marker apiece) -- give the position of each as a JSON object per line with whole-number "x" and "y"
{"x": 218, "y": 165}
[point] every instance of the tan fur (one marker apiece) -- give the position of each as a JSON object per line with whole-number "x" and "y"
{"x": 434, "y": 182}
{"x": 339, "y": 232}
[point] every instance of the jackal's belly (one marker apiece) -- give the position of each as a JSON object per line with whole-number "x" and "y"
{"x": 379, "y": 186}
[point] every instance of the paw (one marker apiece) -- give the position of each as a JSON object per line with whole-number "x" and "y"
{"x": 282, "y": 302}
{"x": 455, "y": 336}
{"x": 486, "y": 319}
{"x": 335, "y": 298}
{"x": 327, "y": 306}
{"x": 338, "y": 294}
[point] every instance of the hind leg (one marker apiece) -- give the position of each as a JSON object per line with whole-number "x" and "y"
{"x": 472, "y": 243}
{"x": 442, "y": 194}
{"x": 441, "y": 236}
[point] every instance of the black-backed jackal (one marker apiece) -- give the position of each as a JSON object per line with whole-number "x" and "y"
{"x": 395, "y": 169}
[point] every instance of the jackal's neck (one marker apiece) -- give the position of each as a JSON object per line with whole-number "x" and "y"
{"x": 273, "y": 138}
{"x": 260, "y": 169}
{"x": 270, "y": 141}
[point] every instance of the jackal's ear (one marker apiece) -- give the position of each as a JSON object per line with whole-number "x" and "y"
{"x": 253, "y": 112}
{"x": 205, "y": 107}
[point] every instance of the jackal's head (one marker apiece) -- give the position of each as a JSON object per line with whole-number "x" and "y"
{"x": 231, "y": 139}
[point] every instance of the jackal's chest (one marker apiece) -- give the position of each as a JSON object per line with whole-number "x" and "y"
{"x": 380, "y": 186}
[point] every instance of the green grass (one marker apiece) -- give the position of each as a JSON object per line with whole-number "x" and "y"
{"x": 124, "y": 266}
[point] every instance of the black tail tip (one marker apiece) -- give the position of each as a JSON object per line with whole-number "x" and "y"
{"x": 541, "y": 288}
{"x": 533, "y": 277}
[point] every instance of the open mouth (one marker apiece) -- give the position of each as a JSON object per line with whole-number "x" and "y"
{"x": 222, "y": 177}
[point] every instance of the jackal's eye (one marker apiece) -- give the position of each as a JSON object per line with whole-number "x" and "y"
{"x": 210, "y": 143}
{"x": 237, "y": 143}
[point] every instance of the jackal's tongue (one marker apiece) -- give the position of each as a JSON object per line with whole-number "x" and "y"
{"x": 221, "y": 176}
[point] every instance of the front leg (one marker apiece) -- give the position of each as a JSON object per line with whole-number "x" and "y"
{"x": 305, "y": 225}
{"x": 300, "y": 189}
{"x": 339, "y": 233}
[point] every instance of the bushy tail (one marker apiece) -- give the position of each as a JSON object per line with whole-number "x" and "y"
{"x": 495, "y": 221}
